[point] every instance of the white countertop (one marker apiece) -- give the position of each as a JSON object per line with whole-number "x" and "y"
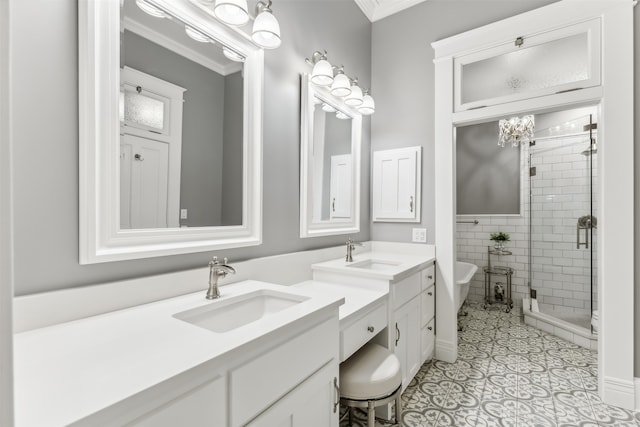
{"x": 356, "y": 298}
{"x": 390, "y": 266}
{"x": 69, "y": 371}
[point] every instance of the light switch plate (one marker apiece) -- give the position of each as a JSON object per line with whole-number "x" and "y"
{"x": 419, "y": 235}
{"x": 183, "y": 214}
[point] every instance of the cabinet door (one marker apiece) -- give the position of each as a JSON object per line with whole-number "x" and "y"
{"x": 428, "y": 340}
{"x": 407, "y": 344}
{"x": 311, "y": 404}
{"x": 202, "y": 406}
{"x": 340, "y": 186}
{"x": 396, "y": 185}
{"x": 427, "y": 309}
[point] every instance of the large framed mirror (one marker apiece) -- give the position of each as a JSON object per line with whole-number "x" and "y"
{"x": 170, "y": 131}
{"x": 329, "y": 164}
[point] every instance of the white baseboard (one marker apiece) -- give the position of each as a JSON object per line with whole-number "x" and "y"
{"x": 446, "y": 351}
{"x": 620, "y": 393}
{"x": 637, "y": 384}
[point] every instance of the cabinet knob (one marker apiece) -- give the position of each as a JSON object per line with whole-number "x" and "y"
{"x": 430, "y": 294}
{"x": 430, "y": 328}
{"x": 370, "y": 329}
{"x": 430, "y": 277}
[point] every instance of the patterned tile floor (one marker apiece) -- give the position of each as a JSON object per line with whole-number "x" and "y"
{"x": 508, "y": 374}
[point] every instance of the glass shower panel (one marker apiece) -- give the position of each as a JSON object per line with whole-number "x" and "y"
{"x": 564, "y": 222}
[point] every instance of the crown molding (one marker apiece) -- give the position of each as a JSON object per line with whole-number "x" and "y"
{"x": 378, "y": 9}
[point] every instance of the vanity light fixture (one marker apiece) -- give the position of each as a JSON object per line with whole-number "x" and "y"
{"x": 266, "y": 29}
{"x": 341, "y": 85}
{"x": 354, "y": 99}
{"x": 196, "y": 35}
{"x": 368, "y": 106}
{"x": 150, "y": 9}
{"x": 328, "y": 108}
{"x": 341, "y": 115}
{"x": 322, "y": 74}
{"x": 231, "y": 12}
{"x": 516, "y": 130}
{"x": 232, "y": 55}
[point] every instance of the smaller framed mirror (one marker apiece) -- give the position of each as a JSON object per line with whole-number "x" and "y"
{"x": 330, "y": 150}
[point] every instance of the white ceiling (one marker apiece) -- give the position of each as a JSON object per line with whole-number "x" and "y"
{"x": 378, "y": 9}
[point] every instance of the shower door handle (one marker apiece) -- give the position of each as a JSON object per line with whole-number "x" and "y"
{"x": 584, "y": 223}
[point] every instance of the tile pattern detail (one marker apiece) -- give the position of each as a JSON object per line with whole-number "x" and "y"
{"x": 508, "y": 374}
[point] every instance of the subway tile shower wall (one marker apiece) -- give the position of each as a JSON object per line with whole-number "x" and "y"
{"x": 561, "y": 273}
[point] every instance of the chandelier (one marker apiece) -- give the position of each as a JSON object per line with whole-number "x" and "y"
{"x": 516, "y": 130}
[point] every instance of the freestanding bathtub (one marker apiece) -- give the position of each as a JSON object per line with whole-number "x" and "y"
{"x": 464, "y": 273}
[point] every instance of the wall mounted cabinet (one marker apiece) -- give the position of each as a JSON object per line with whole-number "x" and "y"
{"x": 396, "y": 185}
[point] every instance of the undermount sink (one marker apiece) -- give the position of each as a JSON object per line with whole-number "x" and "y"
{"x": 375, "y": 264}
{"x": 223, "y": 316}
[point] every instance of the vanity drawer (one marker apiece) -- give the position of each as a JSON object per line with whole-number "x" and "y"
{"x": 428, "y": 277}
{"x": 362, "y": 330}
{"x": 428, "y": 305}
{"x": 256, "y": 385}
{"x": 428, "y": 339}
{"x": 405, "y": 289}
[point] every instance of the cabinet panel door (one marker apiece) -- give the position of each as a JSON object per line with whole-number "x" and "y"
{"x": 427, "y": 305}
{"x": 341, "y": 186}
{"x": 202, "y": 406}
{"x": 311, "y": 404}
{"x": 396, "y": 185}
{"x": 408, "y": 343}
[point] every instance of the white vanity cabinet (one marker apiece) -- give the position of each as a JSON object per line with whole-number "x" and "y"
{"x": 406, "y": 339}
{"x": 428, "y": 313}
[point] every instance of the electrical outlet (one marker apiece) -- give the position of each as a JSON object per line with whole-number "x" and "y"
{"x": 419, "y": 235}
{"x": 183, "y": 214}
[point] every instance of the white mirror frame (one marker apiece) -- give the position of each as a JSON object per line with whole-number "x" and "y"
{"x": 308, "y": 228}
{"x": 101, "y": 239}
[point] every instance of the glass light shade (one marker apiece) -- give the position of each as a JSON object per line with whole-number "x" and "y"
{"x": 232, "y": 12}
{"x": 368, "y": 106}
{"x": 354, "y": 99}
{"x": 341, "y": 85}
{"x": 230, "y": 54}
{"x": 328, "y": 108}
{"x": 516, "y": 130}
{"x": 196, "y": 35}
{"x": 150, "y": 9}
{"x": 322, "y": 74}
{"x": 266, "y": 30}
{"x": 341, "y": 115}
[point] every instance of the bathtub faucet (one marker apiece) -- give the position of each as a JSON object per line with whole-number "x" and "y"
{"x": 351, "y": 245}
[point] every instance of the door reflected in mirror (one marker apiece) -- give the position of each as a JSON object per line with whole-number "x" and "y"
{"x": 330, "y": 164}
{"x": 181, "y": 126}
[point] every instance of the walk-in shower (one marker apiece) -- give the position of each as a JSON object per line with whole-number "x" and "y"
{"x": 563, "y": 233}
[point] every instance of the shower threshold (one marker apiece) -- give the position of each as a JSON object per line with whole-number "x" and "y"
{"x": 561, "y": 328}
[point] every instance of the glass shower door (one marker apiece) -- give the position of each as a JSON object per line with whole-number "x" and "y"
{"x": 563, "y": 221}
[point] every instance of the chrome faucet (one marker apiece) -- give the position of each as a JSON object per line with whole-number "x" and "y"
{"x": 351, "y": 245}
{"x": 217, "y": 270}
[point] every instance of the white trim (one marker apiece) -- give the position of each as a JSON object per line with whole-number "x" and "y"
{"x": 309, "y": 228}
{"x": 100, "y": 238}
{"x": 637, "y": 386}
{"x": 179, "y": 48}
{"x": 6, "y": 224}
{"x": 615, "y": 167}
{"x": 445, "y": 350}
{"x": 378, "y": 9}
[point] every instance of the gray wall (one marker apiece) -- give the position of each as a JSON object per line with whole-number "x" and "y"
{"x": 487, "y": 175}
{"x": 403, "y": 84}
{"x": 45, "y": 140}
{"x": 231, "y": 166}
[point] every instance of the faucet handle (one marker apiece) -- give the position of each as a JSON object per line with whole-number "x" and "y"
{"x": 226, "y": 261}
{"x": 214, "y": 261}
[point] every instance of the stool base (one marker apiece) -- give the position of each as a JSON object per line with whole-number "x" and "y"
{"x": 370, "y": 404}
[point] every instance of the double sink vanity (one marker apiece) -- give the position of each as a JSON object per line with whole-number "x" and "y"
{"x": 259, "y": 355}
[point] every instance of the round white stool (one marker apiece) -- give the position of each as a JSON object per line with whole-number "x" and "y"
{"x": 370, "y": 378}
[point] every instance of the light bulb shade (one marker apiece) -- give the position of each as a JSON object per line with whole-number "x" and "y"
{"x": 196, "y": 35}
{"x": 341, "y": 85}
{"x": 368, "y": 106}
{"x": 328, "y": 108}
{"x": 150, "y": 9}
{"x": 322, "y": 74}
{"x": 516, "y": 130}
{"x": 232, "y": 12}
{"x": 354, "y": 99}
{"x": 266, "y": 30}
{"x": 341, "y": 115}
{"x": 232, "y": 55}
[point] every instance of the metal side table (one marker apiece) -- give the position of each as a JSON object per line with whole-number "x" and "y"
{"x": 499, "y": 294}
